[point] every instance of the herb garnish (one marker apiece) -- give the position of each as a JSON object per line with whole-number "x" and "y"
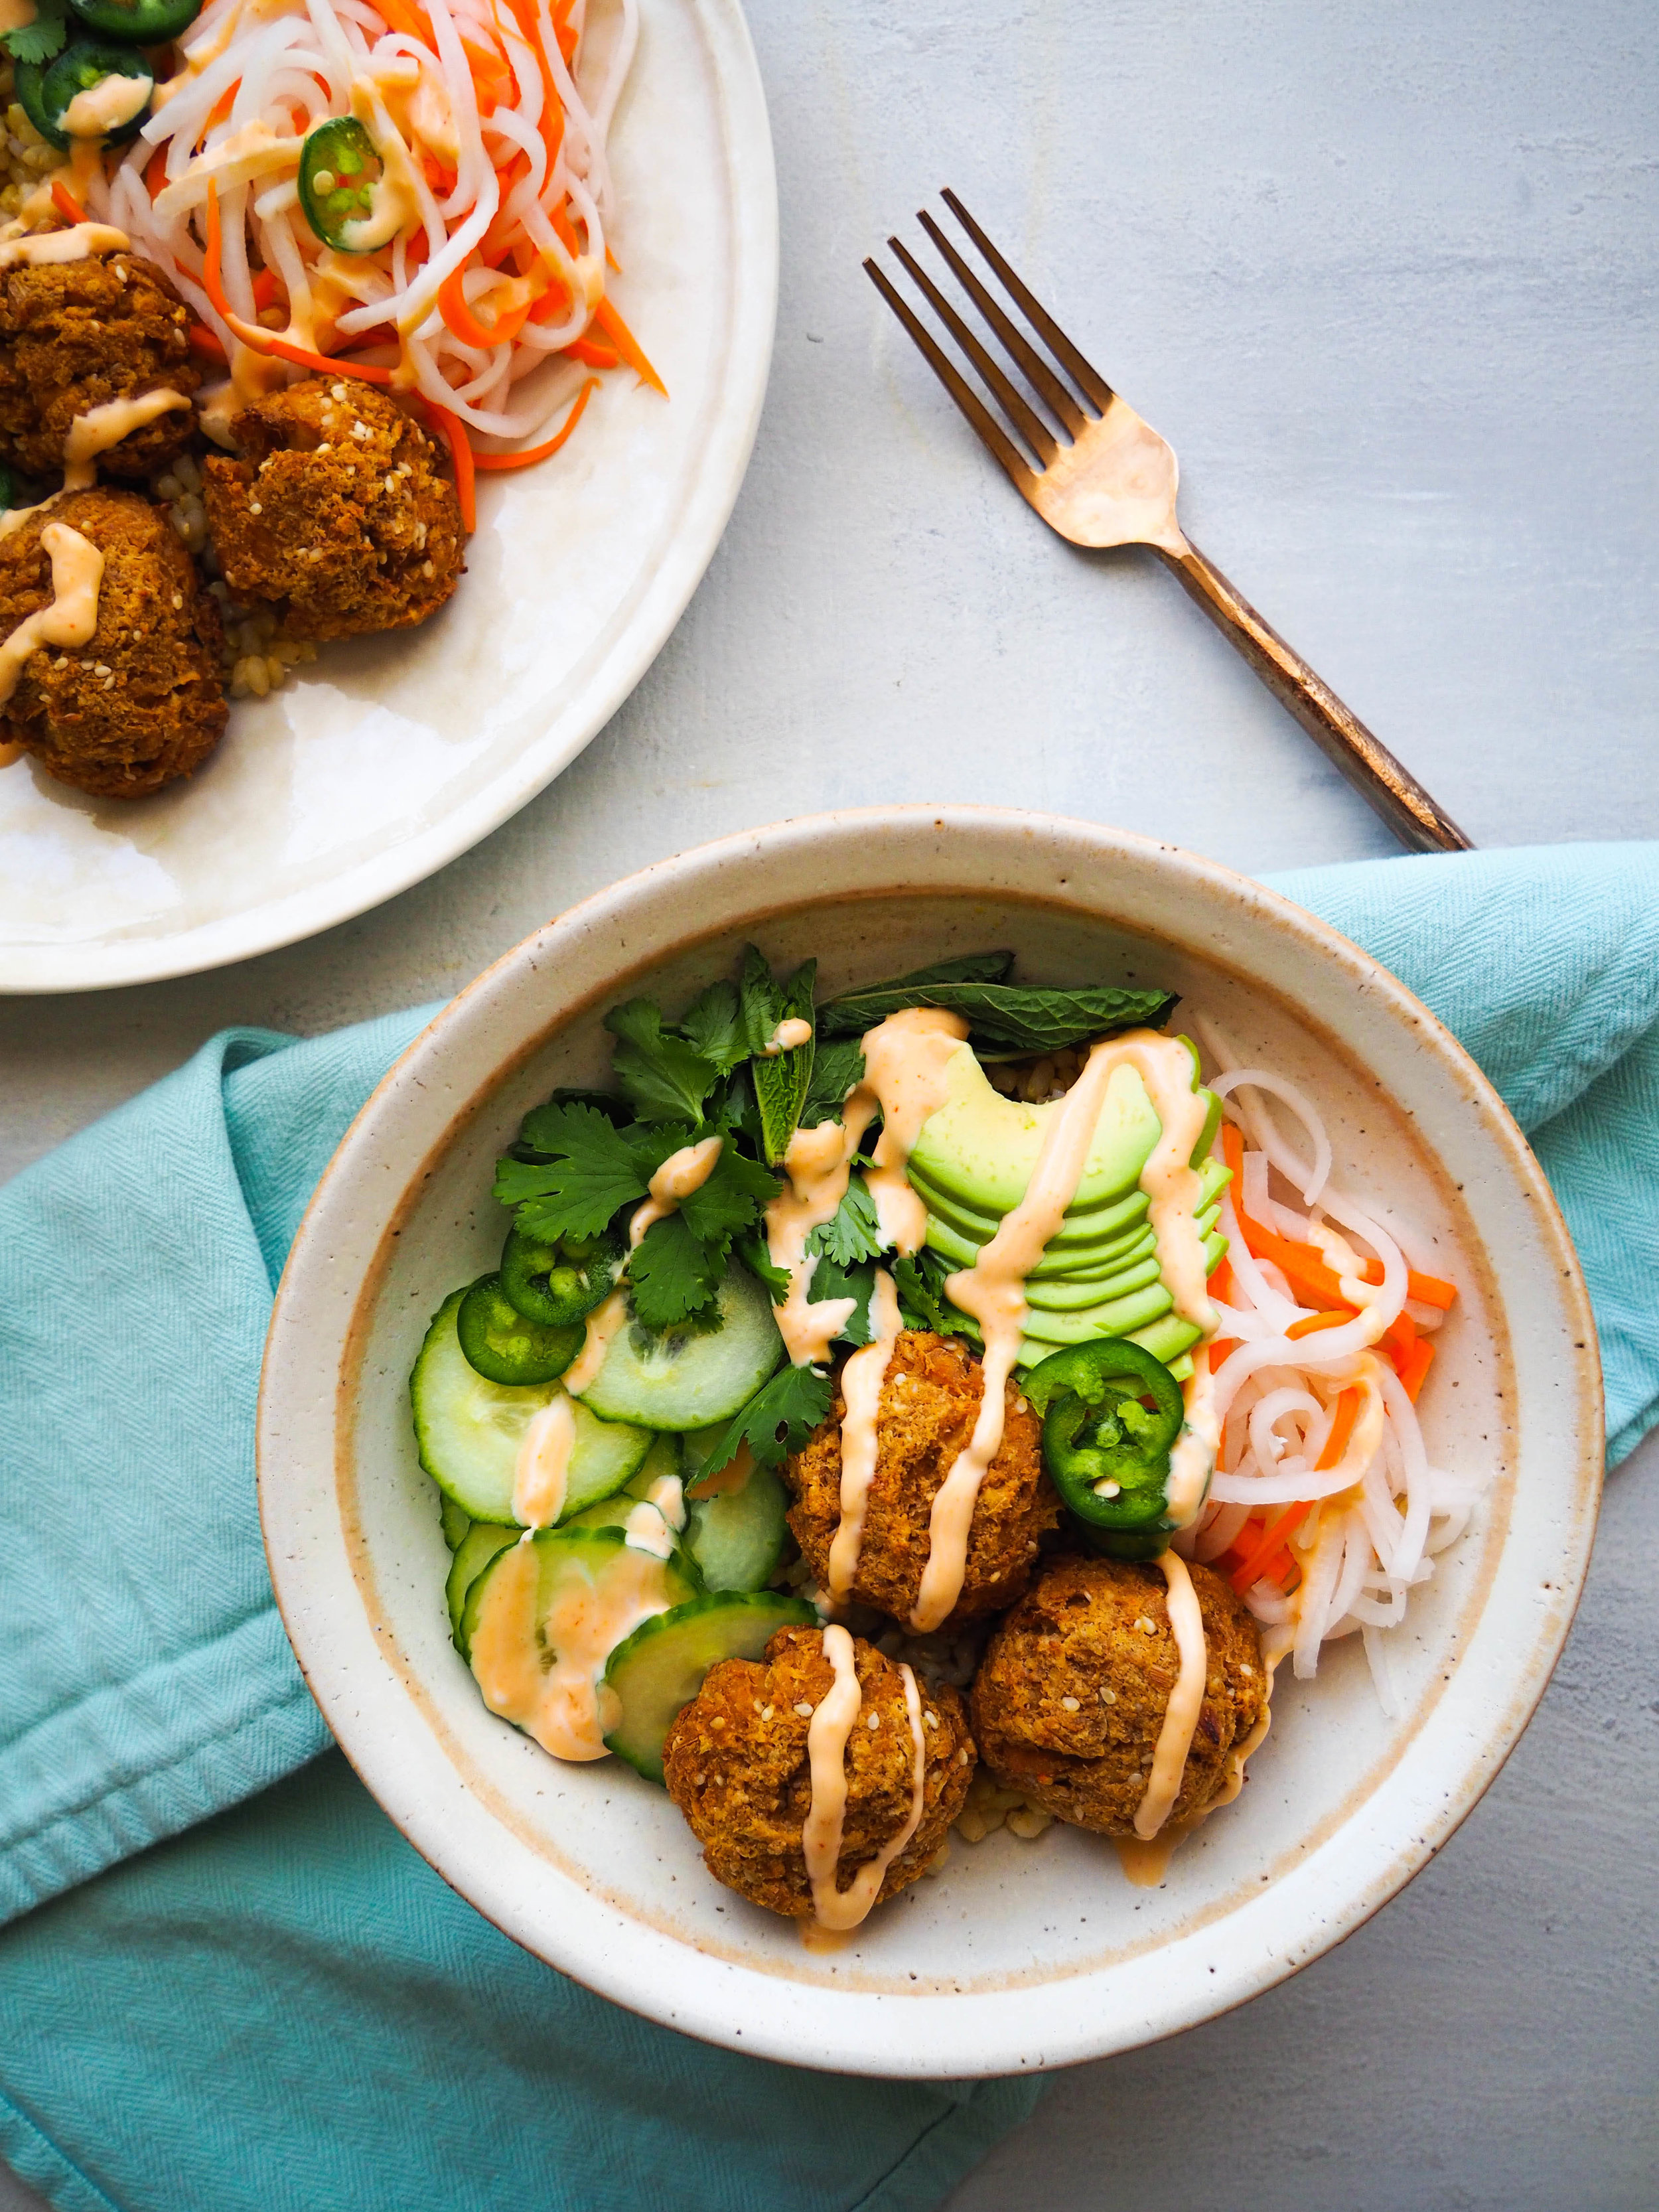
{"x": 1008, "y": 1017}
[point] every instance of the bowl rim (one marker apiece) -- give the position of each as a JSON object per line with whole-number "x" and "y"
{"x": 633, "y": 1972}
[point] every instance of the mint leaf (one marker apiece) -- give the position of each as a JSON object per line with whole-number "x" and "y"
{"x": 851, "y": 1232}
{"x": 41, "y": 39}
{"x": 665, "y": 1078}
{"x": 1005, "y": 1016}
{"x": 920, "y": 1283}
{"x": 781, "y": 1079}
{"x": 712, "y": 1025}
{"x": 672, "y": 1273}
{"x": 778, "y": 1420}
{"x": 586, "y": 1168}
{"x": 835, "y": 1068}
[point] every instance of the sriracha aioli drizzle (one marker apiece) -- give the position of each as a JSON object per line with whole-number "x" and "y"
{"x": 680, "y": 1174}
{"x": 840, "y": 1910}
{"x": 861, "y": 1381}
{"x": 1174, "y": 1738}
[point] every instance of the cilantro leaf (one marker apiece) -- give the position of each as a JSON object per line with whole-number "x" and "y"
{"x": 41, "y": 39}
{"x": 831, "y": 1280}
{"x": 665, "y": 1078}
{"x": 920, "y": 1283}
{"x": 755, "y": 1254}
{"x": 836, "y": 1066}
{"x": 672, "y": 1273}
{"x": 794, "y": 1403}
{"x": 732, "y": 1199}
{"x": 712, "y": 1025}
{"x": 852, "y": 1232}
{"x": 587, "y": 1170}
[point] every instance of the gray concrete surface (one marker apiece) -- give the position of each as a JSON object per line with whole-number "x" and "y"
{"x": 1387, "y": 280}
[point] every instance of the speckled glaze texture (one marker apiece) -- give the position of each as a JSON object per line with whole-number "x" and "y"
{"x": 392, "y": 753}
{"x": 1017, "y": 1955}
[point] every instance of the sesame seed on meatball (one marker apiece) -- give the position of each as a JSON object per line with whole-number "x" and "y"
{"x": 735, "y": 1765}
{"x": 930, "y": 1400}
{"x": 1072, "y": 1694}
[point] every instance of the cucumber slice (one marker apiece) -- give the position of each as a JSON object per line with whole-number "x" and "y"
{"x": 544, "y": 1617}
{"x": 662, "y": 1465}
{"x": 737, "y": 1536}
{"x": 473, "y": 1555}
{"x": 661, "y": 1667}
{"x": 686, "y": 1378}
{"x": 452, "y": 1520}
{"x": 469, "y": 1429}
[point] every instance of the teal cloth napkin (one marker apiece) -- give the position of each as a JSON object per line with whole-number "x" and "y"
{"x": 285, "y": 2006}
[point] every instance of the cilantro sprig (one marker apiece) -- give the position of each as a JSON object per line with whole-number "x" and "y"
{"x": 777, "y": 1420}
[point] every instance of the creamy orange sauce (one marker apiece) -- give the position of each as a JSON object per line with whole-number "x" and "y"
{"x": 1174, "y": 1738}
{"x": 105, "y": 106}
{"x": 861, "y": 1381}
{"x": 541, "y": 1474}
{"x": 77, "y": 572}
{"x": 1192, "y": 1456}
{"x": 79, "y": 243}
{"x": 548, "y": 1682}
{"x": 100, "y": 428}
{"x": 1146, "y": 1862}
{"x": 903, "y": 1081}
{"x": 15, "y": 517}
{"x": 646, "y": 1530}
{"x": 788, "y": 1037}
{"x": 839, "y": 1910}
{"x": 680, "y": 1174}
{"x": 993, "y": 1291}
{"x": 602, "y": 1324}
{"x": 905, "y": 1060}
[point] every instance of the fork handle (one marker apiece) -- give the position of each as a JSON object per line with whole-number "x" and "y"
{"x": 1386, "y": 787}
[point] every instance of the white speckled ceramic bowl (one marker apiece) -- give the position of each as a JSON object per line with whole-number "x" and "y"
{"x": 391, "y": 755}
{"x": 1018, "y": 1954}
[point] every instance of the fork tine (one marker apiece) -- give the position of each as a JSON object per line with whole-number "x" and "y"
{"x": 1088, "y": 381}
{"x": 990, "y": 433}
{"x": 1058, "y": 396}
{"x": 1029, "y": 425}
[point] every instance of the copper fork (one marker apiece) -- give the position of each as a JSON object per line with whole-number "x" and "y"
{"x": 1110, "y": 480}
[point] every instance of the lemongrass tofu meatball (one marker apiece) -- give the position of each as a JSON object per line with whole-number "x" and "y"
{"x": 1071, "y": 1695}
{"x": 930, "y": 1401}
{"x": 340, "y": 509}
{"x": 735, "y": 1765}
{"x": 75, "y": 335}
{"x": 141, "y": 703}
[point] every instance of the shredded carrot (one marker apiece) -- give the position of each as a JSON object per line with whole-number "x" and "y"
{"x": 208, "y": 343}
{"x": 221, "y": 108}
{"x": 453, "y": 307}
{"x": 65, "y": 202}
{"x": 563, "y": 31}
{"x": 454, "y": 434}
{"x": 592, "y": 355}
{"x": 1220, "y": 1349}
{"x": 610, "y": 260}
{"x": 1347, "y": 1409}
{"x": 1312, "y": 1323}
{"x": 551, "y": 445}
{"x": 409, "y": 17}
{"x": 1279, "y": 1530}
{"x": 552, "y": 120}
{"x": 1222, "y": 1285}
{"x": 155, "y": 175}
{"x": 326, "y": 364}
{"x": 266, "y": 289}
{"x": 1399, "y": 1336}
{"x": 1413, "y": 1366}
{"x": 1302, "y": 1266}
{"x": 212, "y": 281}
{"x": 627, "y": 345}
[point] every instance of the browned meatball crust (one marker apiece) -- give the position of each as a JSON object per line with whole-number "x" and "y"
{"x": 930, "y": 1401}
{"x": 736, "y": 1765}
{"x": 1073, "y": 1691}
{"x": 144, "y": 702}
{"x": 74, "y": 335}
{"x": 340, "y": 509}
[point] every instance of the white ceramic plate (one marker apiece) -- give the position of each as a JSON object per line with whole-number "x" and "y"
{"x": 396, "y": 753}
{"x": 1018, "y": 1954}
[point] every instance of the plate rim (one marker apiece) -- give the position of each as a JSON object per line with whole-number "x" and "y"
{"x": 121, "y": 962}
{"x": 969, "y": 2034}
